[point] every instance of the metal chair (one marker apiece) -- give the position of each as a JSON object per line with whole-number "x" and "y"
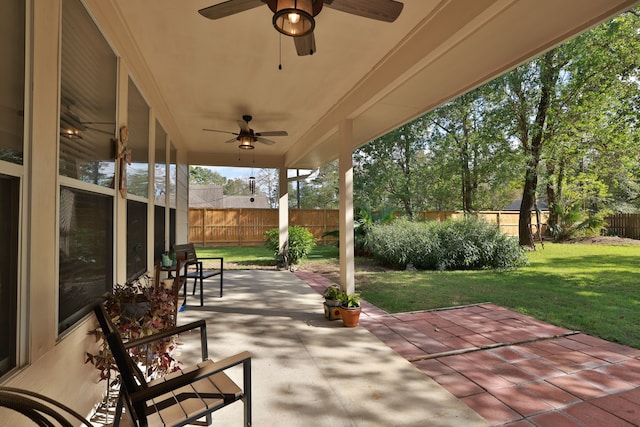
{"x": 181, "y": 397}
{"x": 40, "y": 409}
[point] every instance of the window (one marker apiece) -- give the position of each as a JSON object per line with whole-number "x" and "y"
{"x": 136, "y": 238}
{"x": 160, "y": 192}
{"x": 158, "y": 232}
{"x": 172, "y": 227}
{"x": 87, "y": 127}
{"x": 138, "y": 123}
{"x": 173, "y": 175}
{"x": 12, "y": 48}
{"x": 88, "y": 101}
{"x": 12, "y": 72}
{"x": 160, "y": 166}
{"x": 86, "y": 252}
{"x": 9, "y": 188}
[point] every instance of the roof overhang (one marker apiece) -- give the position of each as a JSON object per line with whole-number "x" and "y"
{"x": 199, "y": 73}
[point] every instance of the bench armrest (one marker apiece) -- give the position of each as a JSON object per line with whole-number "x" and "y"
{"x": 193, "y": 375}
{"x": 199, "y": 265}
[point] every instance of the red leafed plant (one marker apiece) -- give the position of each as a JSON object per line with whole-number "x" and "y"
{"x": 137, "y": 310}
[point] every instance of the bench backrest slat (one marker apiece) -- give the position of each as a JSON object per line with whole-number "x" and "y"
{"x": 189, "y": 250}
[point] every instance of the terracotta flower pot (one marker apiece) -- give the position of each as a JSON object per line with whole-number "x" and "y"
{"x": 350, "y": 316}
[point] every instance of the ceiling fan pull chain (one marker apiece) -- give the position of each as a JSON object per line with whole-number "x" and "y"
{"x": 280, "y": 52}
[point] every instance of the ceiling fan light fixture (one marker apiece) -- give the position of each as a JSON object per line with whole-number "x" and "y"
{"x": 70, "y": 133}
{"x": 246, "y": 143}
{"x": 294, "y": 17}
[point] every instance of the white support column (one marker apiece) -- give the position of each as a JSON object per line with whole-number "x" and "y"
{"x": 152, "y": 188}
{"x": 347, "y": 269}
{"x": 283, "y": 207}
{"x": 42, "y": 192}
{"x": 120, "y": 248}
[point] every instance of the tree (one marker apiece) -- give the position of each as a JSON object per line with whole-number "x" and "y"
{"x": 530, "y": 90}
{"x": 595, "y": 122}
{"x": 204, "y": 176}
{"x": 568, "y": 119}
{"x": 267, "y": 181}
{"x": 565, "y": 110}
{"x": 469, "y": 142}
{"x": 236, "y": 187}
{"x": 320, "y": 190}
{"x": 387, "y": 169}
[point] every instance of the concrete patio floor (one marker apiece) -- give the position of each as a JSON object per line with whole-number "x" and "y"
{"x": 469, "y": 366}
{"x": 308, "y": 371}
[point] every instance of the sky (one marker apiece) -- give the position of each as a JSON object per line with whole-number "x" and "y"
{"x": 232, "y": 172}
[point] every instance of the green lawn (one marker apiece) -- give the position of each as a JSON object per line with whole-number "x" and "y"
{"x": 239, "y": 257}
{"x": 259, "y": 256}
{"x": 591, "y": 288}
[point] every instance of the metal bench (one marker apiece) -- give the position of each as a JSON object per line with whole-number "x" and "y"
{"x": 194, "y": 267}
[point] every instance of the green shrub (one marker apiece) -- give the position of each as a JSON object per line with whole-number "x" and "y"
{"x": 574, "y": 222}
{"x": 462, "y": 244}
{"x": 389, "y": 242}
{"x": 300, "y": 244}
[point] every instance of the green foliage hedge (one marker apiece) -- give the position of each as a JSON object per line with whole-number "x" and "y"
{"x": 301, "y": 242}
{"x": 459, "y": 244}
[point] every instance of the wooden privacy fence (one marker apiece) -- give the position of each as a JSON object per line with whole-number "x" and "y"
{"x": 506, "y": 220}
{"x": 246, "y": 227}
{"x": 624, "y": 225}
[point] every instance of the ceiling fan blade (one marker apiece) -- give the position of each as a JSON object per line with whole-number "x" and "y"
{"x": 305, "y": 45}
{"x": 231, "y": 140}
{"x": 229, "y": 7}
{"x": 244, "y": 126}
{"x": 265, "y": 141}
{"x": 220, "y": 131}
{"x": 273, "y": 133}
{"x": 381, "y": 10}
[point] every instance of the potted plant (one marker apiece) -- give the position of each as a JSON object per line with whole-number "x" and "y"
{"x": 137, "y": 310}
{"x": 332, "y": 296}
{"x": 350, "y": 310}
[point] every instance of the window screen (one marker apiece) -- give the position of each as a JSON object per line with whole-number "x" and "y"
{"x": 12, "y": 80}
{"x": 88, "y": 99}
{"x": 136, "y": 238}
{"x": 138, "y": 170}
{"x": 161, "y": 166}
{"x": 9, "y": 226}
{"x": 85, "y": 252}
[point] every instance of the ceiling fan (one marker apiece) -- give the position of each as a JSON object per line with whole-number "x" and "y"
{"x": 295, "y": 17}
{"x": 246, "y": 137}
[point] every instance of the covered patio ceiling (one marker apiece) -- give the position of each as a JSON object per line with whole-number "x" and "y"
{"x": 200, "y": 73}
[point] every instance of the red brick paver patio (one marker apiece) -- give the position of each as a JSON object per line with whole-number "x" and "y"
{"x": 512, "y": 369}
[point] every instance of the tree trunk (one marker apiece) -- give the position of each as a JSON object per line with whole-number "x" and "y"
{"x": 548, "y": 77}
{"x": 467, "y": 189}
{"x": 528, "y": 197}
{"x": 551, "y": 198}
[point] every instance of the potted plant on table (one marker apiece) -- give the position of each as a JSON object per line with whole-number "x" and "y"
{"x": 350, "y": 310}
